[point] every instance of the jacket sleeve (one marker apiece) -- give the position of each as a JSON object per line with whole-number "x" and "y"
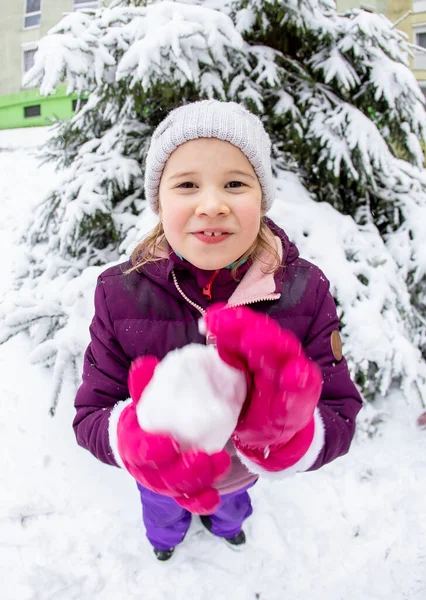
{"x": 340, "y": 400}
{"x": 104, "y": 383}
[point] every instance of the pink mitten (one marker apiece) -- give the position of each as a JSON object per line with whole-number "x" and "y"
{"x": 276, "y": 426}
{"x": 157, "y": 462}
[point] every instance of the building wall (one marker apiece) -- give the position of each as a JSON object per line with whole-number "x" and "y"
{"x": 56, "y": 106}
{"x": 19, "y": 106}
{"x": 13, "y": 36}
{"x": 419, "y": 26}
{"x": 372, "y": 5}
{"x": 397, "y": 9}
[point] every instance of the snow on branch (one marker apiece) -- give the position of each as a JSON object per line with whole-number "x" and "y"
{"x": 335, "y": 66}
{"x": 358, "y": 31}
{"x": 341, "y": 129}
{"x": 166, "y": 40}
{"x": 373, "y": 300}
{"x": 86, "y": 207}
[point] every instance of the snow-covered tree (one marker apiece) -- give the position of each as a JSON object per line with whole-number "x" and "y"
{"x": 346, "y": 117}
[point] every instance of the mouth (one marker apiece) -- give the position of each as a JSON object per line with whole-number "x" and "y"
{"x": 211, "y": 236}
{"x": 213, "y": 232}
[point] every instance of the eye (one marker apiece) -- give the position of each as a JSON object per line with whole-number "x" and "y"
{"x": 186, "y": 185}
{"x": 235, "y": 184}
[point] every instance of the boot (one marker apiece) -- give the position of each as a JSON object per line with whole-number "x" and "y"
{"x": 163, "y": 554}
{"x": 236, "y": 540}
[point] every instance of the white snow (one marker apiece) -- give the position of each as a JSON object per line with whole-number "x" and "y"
{"x": 70, "y": 526}
{"x": 195, "y": 397}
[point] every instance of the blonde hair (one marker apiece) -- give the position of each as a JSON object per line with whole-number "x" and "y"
{"x": 145, "y": 251}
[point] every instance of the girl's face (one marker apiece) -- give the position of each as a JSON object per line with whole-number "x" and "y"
{"x": 210, "y": 203}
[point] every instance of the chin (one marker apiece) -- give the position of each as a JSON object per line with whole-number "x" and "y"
{"x": 208, "y": 261}
{"x": 209, "y": 264}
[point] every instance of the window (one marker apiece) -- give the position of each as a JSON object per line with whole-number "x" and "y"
{"x": 32, "y": 111}
{"x": 32, "y": 16}
{"x": 28, "y": 52}
{"x": 421, "y": 39}
{"x": 78, "y": 104}
{"x": 29, "y": 59}
{"x": 82, "y": 4}
{"x": 420, "y": 42}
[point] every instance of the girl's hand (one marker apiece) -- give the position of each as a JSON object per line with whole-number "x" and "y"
{"x": 157, "y": 462}
{"x": 285, "y": 384}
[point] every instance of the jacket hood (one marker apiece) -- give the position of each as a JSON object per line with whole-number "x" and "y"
{"x": 290, "y": 250}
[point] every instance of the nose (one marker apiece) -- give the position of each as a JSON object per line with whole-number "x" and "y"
{"x": 211, "y": 205}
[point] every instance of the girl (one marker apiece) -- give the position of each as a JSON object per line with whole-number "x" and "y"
{"x": 208, "y": 177}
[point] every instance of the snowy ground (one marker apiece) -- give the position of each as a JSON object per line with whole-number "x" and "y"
{"x": 70, "y": 526}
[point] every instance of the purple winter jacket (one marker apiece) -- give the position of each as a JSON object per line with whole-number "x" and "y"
{"x": 144, "y": 313}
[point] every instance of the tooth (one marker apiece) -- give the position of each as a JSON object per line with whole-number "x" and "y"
{"x": 218, "y": 233}
{"x": 209, "y": 233}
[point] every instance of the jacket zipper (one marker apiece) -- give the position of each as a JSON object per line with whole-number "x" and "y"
{"x": 210, "y": 339}
{"x": 207, "y": 289}
{"x": 199, "y": 308}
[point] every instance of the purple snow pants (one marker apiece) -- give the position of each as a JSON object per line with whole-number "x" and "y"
{"x": 166, "y": 522}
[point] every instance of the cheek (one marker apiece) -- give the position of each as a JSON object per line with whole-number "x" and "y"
{"x": 250, "y": 217}
{"x": 173, "y": 216}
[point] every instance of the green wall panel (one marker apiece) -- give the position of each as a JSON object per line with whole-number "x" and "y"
{"x": 57, "y": 106}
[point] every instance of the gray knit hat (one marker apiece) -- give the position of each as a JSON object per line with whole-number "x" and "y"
{"x": 227, "y": 121}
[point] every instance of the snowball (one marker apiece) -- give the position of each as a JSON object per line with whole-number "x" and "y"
{"x": 195, "y": 397}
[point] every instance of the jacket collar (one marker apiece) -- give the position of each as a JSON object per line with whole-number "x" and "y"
{"x": 254, "y": 282}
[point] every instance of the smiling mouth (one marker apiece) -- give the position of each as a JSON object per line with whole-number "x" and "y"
{"x": 215, "y": 233}
{"x": 211, "y": 237}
